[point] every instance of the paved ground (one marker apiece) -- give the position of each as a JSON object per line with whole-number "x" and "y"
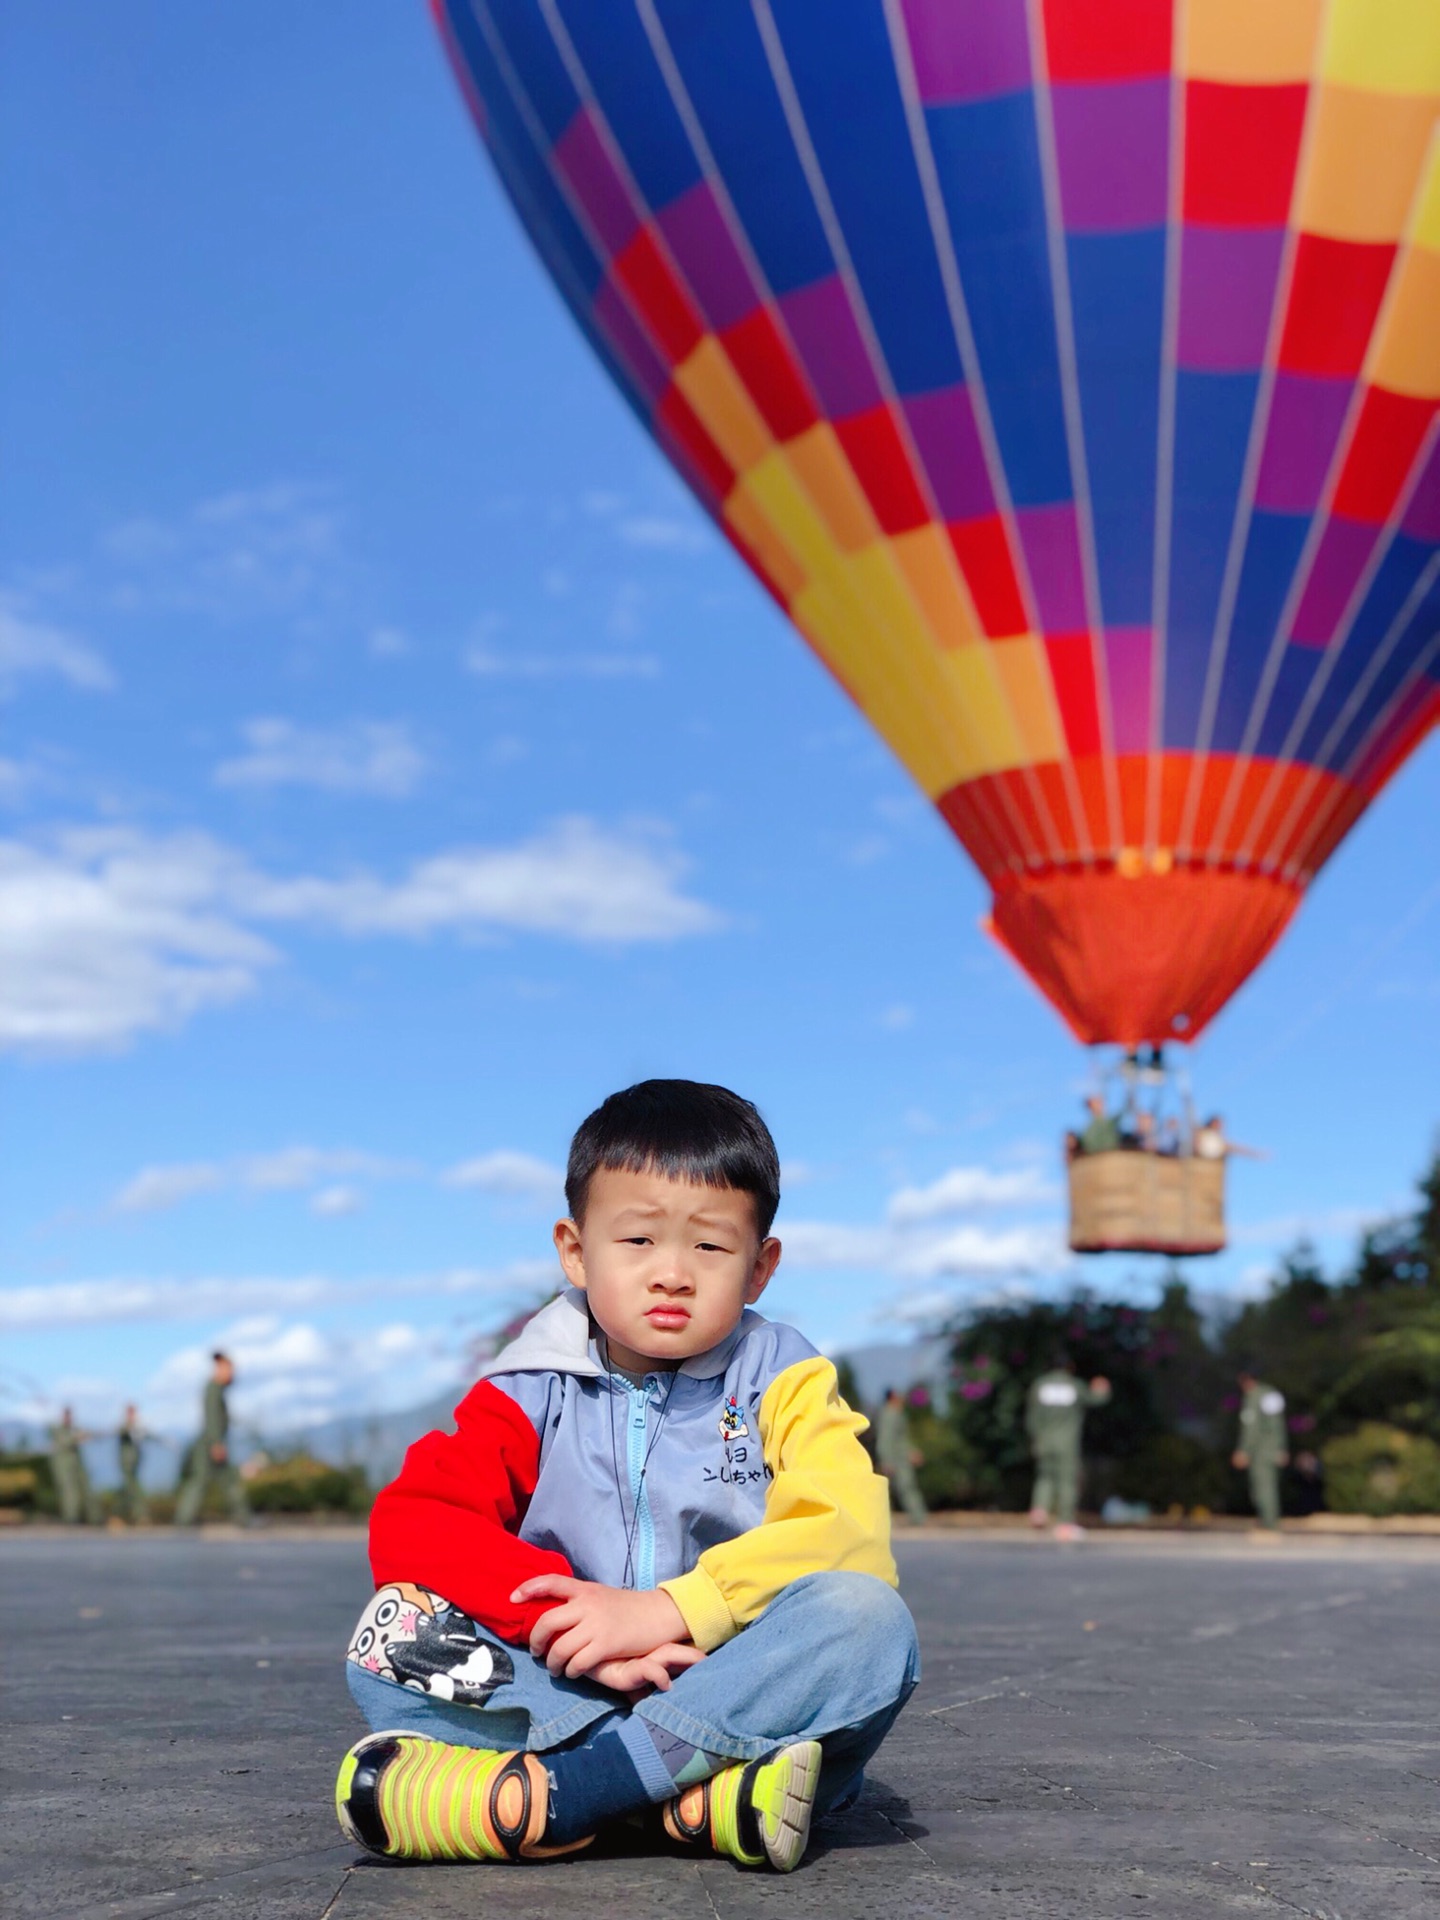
{"x": 1165, "y": 1727}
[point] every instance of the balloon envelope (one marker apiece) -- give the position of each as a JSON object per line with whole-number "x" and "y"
{"x": 1068, "y": 372}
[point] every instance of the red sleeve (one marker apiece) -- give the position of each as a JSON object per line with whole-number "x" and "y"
{"x": 447, "y": 1520}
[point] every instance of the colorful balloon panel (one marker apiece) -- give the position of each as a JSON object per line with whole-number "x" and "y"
{"x": 1070, "y": 375}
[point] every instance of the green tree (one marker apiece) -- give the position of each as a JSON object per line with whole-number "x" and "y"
{"x": 1299, "y": 1338}
{"x": 997, "y": 1353}
{"x": 849, "y": 1384}
{"x": 1359, "y": 1349}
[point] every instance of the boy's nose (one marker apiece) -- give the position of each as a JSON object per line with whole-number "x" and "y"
{"x": 672, "y": 1278}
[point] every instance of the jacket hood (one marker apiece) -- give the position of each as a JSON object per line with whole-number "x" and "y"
{"x": 558, "y": 1340}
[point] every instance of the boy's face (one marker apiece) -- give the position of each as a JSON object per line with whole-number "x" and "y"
{"x": 669, "y": 1266}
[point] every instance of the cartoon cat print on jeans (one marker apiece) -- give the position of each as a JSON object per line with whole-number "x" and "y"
{"x": 411, "y": 1635}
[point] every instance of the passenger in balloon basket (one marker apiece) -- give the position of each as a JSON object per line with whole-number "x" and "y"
{"x": 1213, "y": 1143}
{"x": 1101, "y": 1132}
{"x": 646, "y": 1585}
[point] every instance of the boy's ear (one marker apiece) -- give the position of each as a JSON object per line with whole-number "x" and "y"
{"x": 766, "y": 1261}
{"x": 572, "y": 1259}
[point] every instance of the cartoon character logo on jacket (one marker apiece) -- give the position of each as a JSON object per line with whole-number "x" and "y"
{"x": 732, "y": 1422}
{"x": 411, "y": 1635}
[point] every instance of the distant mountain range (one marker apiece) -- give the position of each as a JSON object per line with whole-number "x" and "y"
{"x": 911, "y": 1363}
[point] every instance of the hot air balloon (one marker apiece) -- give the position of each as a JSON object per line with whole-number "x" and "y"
{"x": 1068, "y": 372}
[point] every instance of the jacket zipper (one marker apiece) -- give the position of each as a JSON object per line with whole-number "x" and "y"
{"x": 636, "y": 1430}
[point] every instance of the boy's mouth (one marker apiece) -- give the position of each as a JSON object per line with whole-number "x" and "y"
{"x": 667, "y": 1316}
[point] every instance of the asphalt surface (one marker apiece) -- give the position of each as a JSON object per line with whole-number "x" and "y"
{"x": 1161, "y": 1726}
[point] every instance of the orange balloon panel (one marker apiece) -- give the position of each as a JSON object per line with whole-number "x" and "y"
{"x": 1068, "y": 373}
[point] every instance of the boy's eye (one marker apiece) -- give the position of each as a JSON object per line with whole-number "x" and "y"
{"x": 710, "y": 1246}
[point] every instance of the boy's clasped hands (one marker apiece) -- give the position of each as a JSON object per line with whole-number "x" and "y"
{"x": 630, "y": 1642}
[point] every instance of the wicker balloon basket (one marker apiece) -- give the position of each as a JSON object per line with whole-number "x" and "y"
{"x": 1146, "y": 1203}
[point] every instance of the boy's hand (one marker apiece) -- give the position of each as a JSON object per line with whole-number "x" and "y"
{"x": 595, "y": 1623}
{"x": 651, "y": 1673}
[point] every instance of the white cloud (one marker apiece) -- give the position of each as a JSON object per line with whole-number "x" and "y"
{"x": 289, "y": 1170}
{"x": 332, "y": 1203}
{"x": 97, "y": 1303}
{"x": 254, "y": 551}
{"x": 965, "y": 1189}
{"x": 922, "y": 1309}
{"x": 487, "y": 664}
{"x": 829, "y": 1243}
{"x": 920, "y": 1242}
{"x": 960, "y": 1253}
{"x": 627, "y": 604}
{"x": 1254, "y": 1280}
{"x": 509, "y": 1173}
{"x": 292, "y": 1374}
{"x": 157, "y": 1189}
{"x": 29, "y": 646}
{"x": 109, "y": 1302}
{"x": 869, "y": 848}
{"x": 293, "y": 1168}
{"x": 364, "y": 756}
{"x": 965, "y": 1252}
{"x": 1283, "y": 1230}
{"x": 107, "y": 932}
{"x": 16, "y": 780}
{"x": 897, "y": 1018}
{"x": 575, "y": 881}
{"x": 389, "y": 643}
{"x": 664, "y": 533}
{"x": 899, "y": 809}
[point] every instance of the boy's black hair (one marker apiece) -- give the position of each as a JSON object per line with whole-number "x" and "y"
{"x": 682, "y": 1130}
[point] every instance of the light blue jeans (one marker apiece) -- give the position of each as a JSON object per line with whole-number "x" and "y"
{"x": 833, "y": 1658}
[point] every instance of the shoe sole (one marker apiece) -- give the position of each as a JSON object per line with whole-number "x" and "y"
{"x": 785, "y": 1830}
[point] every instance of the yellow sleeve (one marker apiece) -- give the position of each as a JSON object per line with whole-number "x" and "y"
{"x": 826, "y": 1510}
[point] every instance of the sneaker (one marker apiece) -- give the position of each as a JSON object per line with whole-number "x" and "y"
{"x": 757, "y": 1813}
{"x": 1069, "y": 1533}
{"x": 408, "y": 1798}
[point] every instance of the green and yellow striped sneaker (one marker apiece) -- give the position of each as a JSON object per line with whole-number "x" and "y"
{"x": 758, "y": 1814}
{"x": 414, "y": 1799}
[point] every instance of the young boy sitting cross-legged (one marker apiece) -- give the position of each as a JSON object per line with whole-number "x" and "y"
{"x": 651, "y": 1568}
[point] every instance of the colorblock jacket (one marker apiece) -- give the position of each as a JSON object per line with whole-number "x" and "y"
{"x": 721, "y": 1482}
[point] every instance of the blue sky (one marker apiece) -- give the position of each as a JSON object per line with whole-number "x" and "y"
{"x": 395, "y": 762}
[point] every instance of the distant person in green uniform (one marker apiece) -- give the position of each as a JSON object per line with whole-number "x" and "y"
{"x": 1101, "y": 1133}
{"x": 130, "y": 1445}
{"x": 210, "y": 1453}
{"x": 1262, "y": 1446}
{"x": 897, "y": 1457}
{"x": 1054, "y": 1420}
{"x": 73, "y": 1492}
